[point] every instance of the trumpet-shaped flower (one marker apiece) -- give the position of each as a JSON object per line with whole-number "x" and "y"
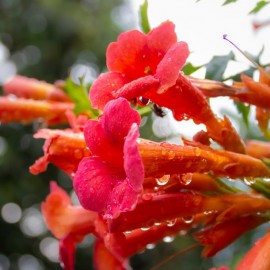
{"x": 258, "y": 257}
{"x": 64, "y": 148}
{"x": 29, "y": 88}
{"x": 111, "y": 180}
{"x": 140, "y": 62}
{"x": 217, "y": 237}
{"x": 68, "y": 223}
{"x": 149, "y": 66}
{"x": 13, "y": 109}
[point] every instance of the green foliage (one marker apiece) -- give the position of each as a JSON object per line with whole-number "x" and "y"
{"x": 79, "y": 95}
{"x": 244, "y": 111}
{"x": 217, "y": 66}
{"x": 259, "y": 6}
{"x": 189, "y": 68}
{"x": 144, "y": 17}
{"x": 229, "y": 2}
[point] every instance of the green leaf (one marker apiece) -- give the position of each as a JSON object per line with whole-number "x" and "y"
{"x": 259, "y": 6}
{"x": 243, "y": 110}
{"x": 144, "y": 17}
{"x": 217, "y": 66}
{"x": 79, "y": 95}
{"x": 189, "y": 68}
{"x": 229, "y": 2}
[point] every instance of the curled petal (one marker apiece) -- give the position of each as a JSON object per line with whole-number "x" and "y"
{"x": 168, "y": 69}
{"x": 138, "y": 87}
{"x": 62, "y": 218}
{"x": 63, "y": 148}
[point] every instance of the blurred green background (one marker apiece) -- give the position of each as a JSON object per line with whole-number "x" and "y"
{"x": 50, "y": 40}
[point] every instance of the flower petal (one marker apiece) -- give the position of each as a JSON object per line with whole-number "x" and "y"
{"x": 161, "y": 38}
{"x": 93, "y": 184}
{"x": 118, "y": 118}
{"x": 138, "y": 87}
{"x": 169, "y": 67}
{"x": 128, "y": 55}
{"x": 132, "y": 160}
{"x": 103, "y": 88}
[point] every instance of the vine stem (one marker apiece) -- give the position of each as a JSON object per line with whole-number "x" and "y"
{"x": 155, "y": 267}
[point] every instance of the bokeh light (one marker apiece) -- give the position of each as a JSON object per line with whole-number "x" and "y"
{"x": 11, "y": 212}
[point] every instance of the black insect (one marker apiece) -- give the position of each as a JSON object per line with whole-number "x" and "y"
{"x": 159, "y": 111}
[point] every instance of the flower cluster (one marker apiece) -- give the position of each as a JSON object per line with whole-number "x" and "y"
{"x": 133, "y": 191}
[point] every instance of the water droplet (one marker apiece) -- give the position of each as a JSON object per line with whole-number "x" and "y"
{"x": 203, "y": 163}
{"x": 142, "y": 101}
{"x": 168, "y": 239}
{"x": 147, "y": 197}
{"x": 171, "y": 222}
{"x": 157, "y": 223}
{"x": 127, "y": 232}
{"x": 185, "y": 179}
{"x": 188, "y": 219}
{"x": 150, "y": 246}
{"x": 145, "y": 228}
{"x": 171, "y": 154}
{"x": 207, "y": 212}
{"x": 163, "y": 152}
{"x": 163, "y": 180}
{"x": 249, "y": 181}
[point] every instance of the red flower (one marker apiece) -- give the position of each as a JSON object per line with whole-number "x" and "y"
{"x": 68, "y": 223}
{"x": 111, "y": 180}
{"x": 220, "y": 235}
{"x": 140, "y": 63}
{"x": 63, "y": 148}
{"x": 148, "y": 66}
{"x": 13, "y": 109}
{"x": 29, "y": 88}
{"x": 258, "y": 257}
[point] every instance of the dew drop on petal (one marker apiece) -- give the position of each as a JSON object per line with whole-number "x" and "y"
{"x": 188, "y": 219}
{"x": 249, "y": 181}
{"x": 185, "y": 179}
{"x": 163, "y": 180}
{"x": 145, "y": 228}
{"x": 147, "y": 197}
{"x": 142, "y": 101}
{"x": 203, "y": 163}
{"x": 207, "y": 213}
{"x": 157, "y": 223}
{"x": 171, "y": 222}
{"x": 171, "y": 154}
